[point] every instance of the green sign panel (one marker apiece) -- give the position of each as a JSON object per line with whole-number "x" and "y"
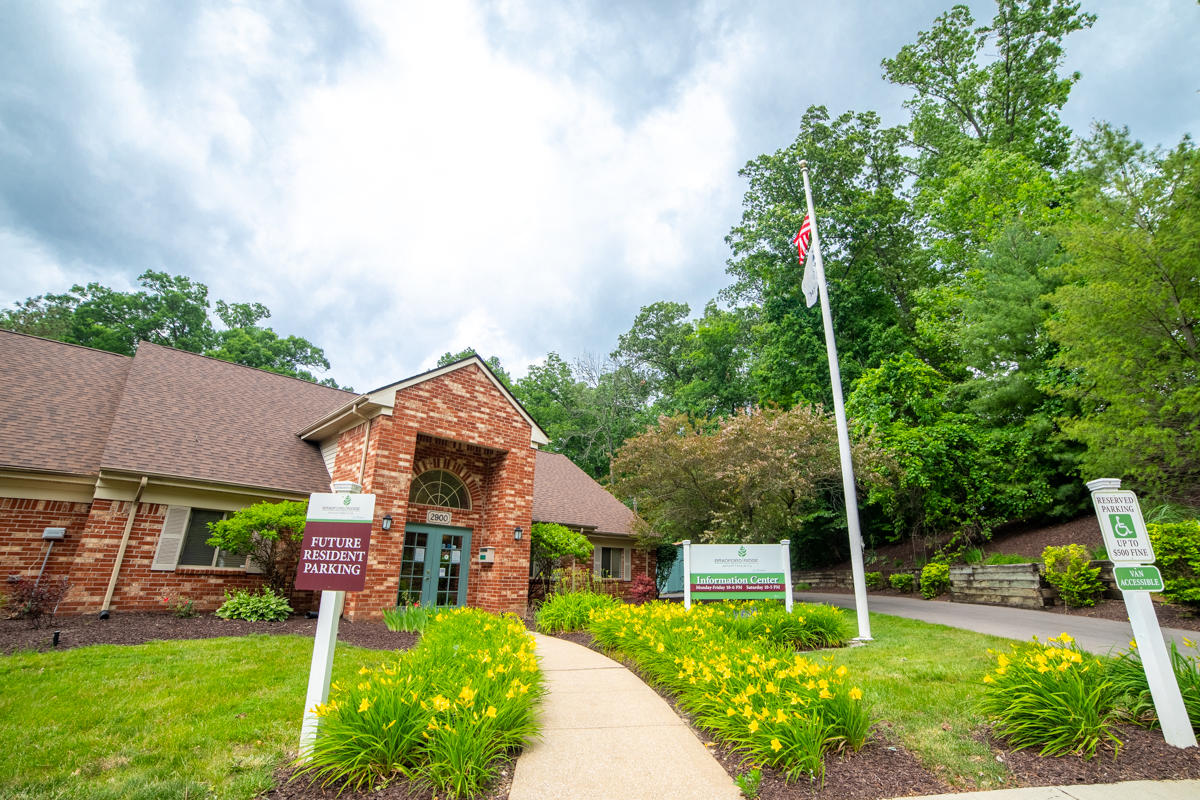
{"x": 744, "y": 586}
{"x": 1138, "y": 579}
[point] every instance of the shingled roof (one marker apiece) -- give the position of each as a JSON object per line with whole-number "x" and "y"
{"x": 191, "y": 416}
{"x": 565, "y": 494}
{"x": 56, "y": 403}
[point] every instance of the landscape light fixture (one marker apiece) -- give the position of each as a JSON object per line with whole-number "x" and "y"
{"x": 517, "y": 534}
{"x": 387, "y": 522}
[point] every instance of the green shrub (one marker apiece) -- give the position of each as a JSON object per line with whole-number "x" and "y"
{"x": 901, "y": 581}
{"x": 1130, "y": 677}
{"x": 1068, "y": 569}
{"x": 1052, "y": 697}
{"x": 1007, "y": 558}
{"x": 410, "y": 617}
{"x": 808, "y": 626}
{"x": 935, "y": 579}
{"x": 1177, "y": 554}
{"x": 874, "y": 580}
{"x": 973, "y": 555}
{"x": 564, "y": 613}
{"x": 266, "y": 606}
{"x": 441, "y": 714}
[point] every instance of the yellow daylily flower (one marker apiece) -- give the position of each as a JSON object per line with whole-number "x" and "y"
{"x": 776, "y": 745}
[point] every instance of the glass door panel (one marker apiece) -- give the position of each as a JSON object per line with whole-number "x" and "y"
{"x": 434, "y": 568}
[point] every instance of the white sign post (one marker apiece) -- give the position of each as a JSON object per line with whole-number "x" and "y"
{"x": 349, "y": 518}
{"x": 1128, "y": 543}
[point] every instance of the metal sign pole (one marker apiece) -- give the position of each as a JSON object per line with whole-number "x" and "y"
{"x": 687, "y": 573}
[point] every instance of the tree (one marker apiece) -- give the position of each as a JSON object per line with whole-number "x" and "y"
{"x": 550, "y": 543}
{"x": 171, "y": 310}
{"x": 951, "y": 474}
{"x": 1126, "y": 316}
{"x": 269, "y": 535}
{"x": 873, "y": 262}
{"x": 759, "y": 476}
{"x": 493, "y": 364}
{"x": 992, "y": 86}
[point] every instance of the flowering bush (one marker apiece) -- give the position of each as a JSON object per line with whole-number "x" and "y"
{"x": 1053, "y": 697}
{"x": 1130, "y": 677}
{"x": 182, "y": 607}
{"x": 441, "y": 714}
{"x": 806, "y": 627}
{"x": 780, "y": 708}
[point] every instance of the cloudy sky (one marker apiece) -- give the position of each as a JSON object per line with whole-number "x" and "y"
{"x": 399, "y": 179}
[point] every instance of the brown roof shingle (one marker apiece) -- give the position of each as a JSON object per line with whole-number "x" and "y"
{"x": 56, "y": 403}
{"x": 565, "y": 494}
{"x": 191, "y": 416}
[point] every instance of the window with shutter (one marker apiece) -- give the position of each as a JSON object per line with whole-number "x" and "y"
{"x": 170, "y": 541}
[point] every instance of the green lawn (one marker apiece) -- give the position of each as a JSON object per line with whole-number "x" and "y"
{"x": 215, "y": 717}
{"x": 181, "y": 719}
{"x": 925, "y": 681}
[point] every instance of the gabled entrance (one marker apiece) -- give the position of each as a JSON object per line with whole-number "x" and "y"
{"x": 435, "y": 566}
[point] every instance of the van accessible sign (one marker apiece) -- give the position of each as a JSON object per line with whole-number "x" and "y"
{"x": 337, "y": 534}
{"x": 737, "y": 571}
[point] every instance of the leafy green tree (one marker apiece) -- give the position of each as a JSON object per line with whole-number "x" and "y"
{"x": 587, "y": 408}
{"x": 171, "y": 310}
{"x": 952, "y": 475}
{"x": 994, "y": 86}
{"x": 493, "y": 363}
{"x": 656, "y": 345}
{"x": 550, "y": 543}
{"x": 1126, "y": 316}
{"x": 873, "y": 262}
{"x": 759, "y": 476}
{"x": 269, "y": 534}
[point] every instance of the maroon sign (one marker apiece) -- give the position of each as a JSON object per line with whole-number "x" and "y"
{"x": 334, "y": 556}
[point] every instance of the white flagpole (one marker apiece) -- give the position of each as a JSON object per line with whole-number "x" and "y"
{"x": 839, "y": 413}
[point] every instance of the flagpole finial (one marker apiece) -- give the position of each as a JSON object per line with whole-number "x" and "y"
{"x": 803, "y": 164}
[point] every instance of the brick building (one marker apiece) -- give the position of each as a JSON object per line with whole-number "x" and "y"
{"x": 133, "y": 456}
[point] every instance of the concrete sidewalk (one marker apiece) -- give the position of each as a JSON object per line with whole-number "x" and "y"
{"x": 608, "y": 736}
{"x": 1130, "y": 790}
{"x": 1097, "y": 636}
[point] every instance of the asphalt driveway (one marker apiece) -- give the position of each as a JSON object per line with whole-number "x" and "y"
{"x": 1095, "y": 635}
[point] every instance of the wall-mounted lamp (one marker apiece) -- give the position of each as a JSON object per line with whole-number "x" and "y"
{"x": 517, "y": 534}
{"x": 387, "y": 522}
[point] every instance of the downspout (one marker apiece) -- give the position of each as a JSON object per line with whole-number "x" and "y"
{"x": 112, "y": 581}
{"x": 362, "y": 465}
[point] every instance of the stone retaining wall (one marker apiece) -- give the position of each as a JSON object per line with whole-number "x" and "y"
{"x": 1020, "y": 585}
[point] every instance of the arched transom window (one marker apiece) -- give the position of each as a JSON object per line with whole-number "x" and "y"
{"x": 437, "y": 487}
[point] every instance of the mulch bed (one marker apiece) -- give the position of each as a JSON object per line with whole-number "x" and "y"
{"x": 884, "y": 769}
{"x": 139, "y": 628}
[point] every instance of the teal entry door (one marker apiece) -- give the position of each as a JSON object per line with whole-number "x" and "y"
{"x": 435, "y": 566}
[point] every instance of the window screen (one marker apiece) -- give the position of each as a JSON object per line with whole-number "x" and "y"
{"x": 196, "y": 552}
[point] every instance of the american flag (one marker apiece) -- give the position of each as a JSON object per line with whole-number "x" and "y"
{"x": 803, "y": 238}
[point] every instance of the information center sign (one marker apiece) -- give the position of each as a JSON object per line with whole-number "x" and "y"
{"x": 337, "y": 535}
{"x": 737, "y": 571}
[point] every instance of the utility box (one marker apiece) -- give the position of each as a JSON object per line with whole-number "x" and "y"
{"x": 487, "y": 555}
{"x": 54, "y": 534}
